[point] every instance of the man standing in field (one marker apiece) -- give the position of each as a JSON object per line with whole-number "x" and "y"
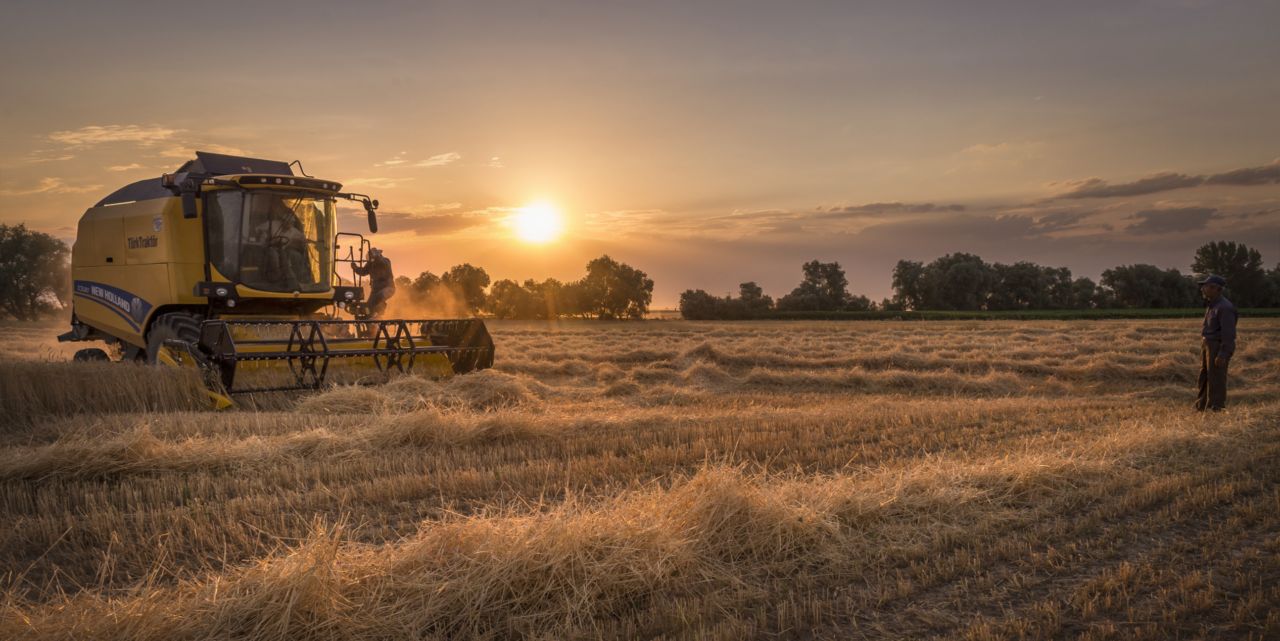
{"x": 1217, "y": 345}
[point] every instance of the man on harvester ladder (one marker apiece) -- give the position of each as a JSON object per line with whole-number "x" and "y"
{"x": 382, "y": 282}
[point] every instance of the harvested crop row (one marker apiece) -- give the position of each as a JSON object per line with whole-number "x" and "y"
{"x": 68, "y": 499}
{"x": 718, "y": 540}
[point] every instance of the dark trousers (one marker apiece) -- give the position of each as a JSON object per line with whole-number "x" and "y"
{"x": 378, "y": 300}
{"x": 1213, "y": 379}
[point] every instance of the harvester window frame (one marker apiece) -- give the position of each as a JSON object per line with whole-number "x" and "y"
{"x": 215, "y": 232}
{"x": 318, "y": 256}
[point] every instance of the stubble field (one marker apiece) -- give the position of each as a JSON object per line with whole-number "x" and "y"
{"x": 801, "y": 480}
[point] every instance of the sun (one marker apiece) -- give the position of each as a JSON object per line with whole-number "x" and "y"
{"x": 538, "y": 222}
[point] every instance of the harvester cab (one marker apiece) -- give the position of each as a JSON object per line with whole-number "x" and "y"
{"x": 230, "y": 265}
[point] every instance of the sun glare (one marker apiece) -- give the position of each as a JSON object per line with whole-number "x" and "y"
{"x": 538, "y": 222}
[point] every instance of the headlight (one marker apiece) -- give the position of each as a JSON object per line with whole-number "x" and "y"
{"x": 221, "y": 292}
{"x": 349, "y": 294}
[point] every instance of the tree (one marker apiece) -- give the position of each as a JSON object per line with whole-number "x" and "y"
{"x": 1084, "y": 293}
{"x": 616, "y": 290}
{"x": 908, "y": 292}
{"x": 824, "y": 288}
{"x": 1240, "y": 265}
{"x": 1273, "y": 288}
{"x": 429, "y": 295}
{"x": 957, "y": 281}
{"x": 697, "y": 304}
{"x": 1061, "y": 289}
{"x": 546, "y": 298}
{"x": 507, "y": 299}
{"x": 468, "y": 283}
{"x": 1021, "y": 285}
{"x": 859, "y": 303}
{"x": 425, "y": 282}
{"x": 574, "y": 300}
{"x": 420, "y": 289}
{"x": 1149, "y": 286}
{"x": 34, "y": 273}
{"x": 1026, "y": 285}
{"x": 892, "y": 305}
{"x": 528, "y": 301}
{"x": 751, "y": 302}
{"x": 754, "y": 301}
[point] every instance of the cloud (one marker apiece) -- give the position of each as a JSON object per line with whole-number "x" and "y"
{"x": 129, "y": 167}
{"x": 964, "y": 232}
{"x": 736, "y": 224}
{"x": 187, "y": 151}
{"x": 1249, "y": 176}
{"x": 1168, "y": 181}
{"x": 394, "y": 161}
{"x": 764, "y": 221}
{"x": 1016, "y": 152}
{"x": 1173, "y": 220}
{"x": 50, "y": 186}
{"x": 1061, "y": 220}
{"x": 99, "y": 134}
{"x": 893, "y": 208}
{"x": 1261, "y": 213}
{"x": 984, "y": 149}
{"x": 440, "y": 160}
{"x": 377, "y": 182}
{"x": 495, "y": 162}
{"x": 1001, "y": 156}
{"x": 1099, "y": 188}
{"x": 435, "y": 207}
{"x": 40, "y": 156}
{"x": 429, "y": 224}
{"x": 617, "y": 222}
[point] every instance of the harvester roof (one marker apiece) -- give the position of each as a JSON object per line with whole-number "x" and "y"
{"x": 205, "y": 165}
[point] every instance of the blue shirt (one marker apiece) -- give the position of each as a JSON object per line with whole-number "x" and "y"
{"x": 1220, "y": 325}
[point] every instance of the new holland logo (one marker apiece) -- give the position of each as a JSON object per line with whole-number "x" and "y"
{"x": 129, "y": 306}
{"x": 143, "y": 242}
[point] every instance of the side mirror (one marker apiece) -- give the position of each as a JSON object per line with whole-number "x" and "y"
{"x": 190, "y": 189}
{"x": 188, "y": 204}
{"x": 369, "y": 206}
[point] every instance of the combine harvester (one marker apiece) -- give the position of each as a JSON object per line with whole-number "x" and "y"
{"x": 230, "y": 265}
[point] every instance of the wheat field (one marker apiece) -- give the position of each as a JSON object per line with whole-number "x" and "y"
{"x": 877, "y": 480}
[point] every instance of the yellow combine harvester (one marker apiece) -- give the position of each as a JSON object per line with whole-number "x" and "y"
{"x": 231, "y": 265}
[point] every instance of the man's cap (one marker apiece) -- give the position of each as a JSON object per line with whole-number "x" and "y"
{"x": 374, "y": 251}
{"x": 1213, "y": 279}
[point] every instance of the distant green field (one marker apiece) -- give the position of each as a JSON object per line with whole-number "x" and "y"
{"x": 1042, "y": 314}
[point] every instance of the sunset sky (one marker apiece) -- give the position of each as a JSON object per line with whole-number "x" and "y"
{"x": 705, "y": 143}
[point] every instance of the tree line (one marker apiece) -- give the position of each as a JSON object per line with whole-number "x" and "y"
{"x": 965, "y": 282}
{"x": 35, "y": 281}
{"x": 609, "y": 290}
{"x": 823, "y": 288}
